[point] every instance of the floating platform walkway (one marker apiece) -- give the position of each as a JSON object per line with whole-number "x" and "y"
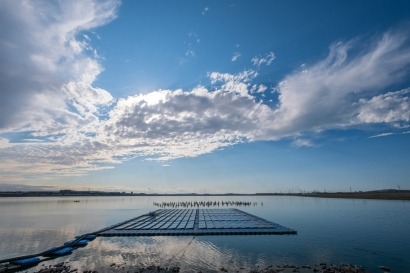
{"x": 178, "y": 222}
{"x": 164, "y": 222}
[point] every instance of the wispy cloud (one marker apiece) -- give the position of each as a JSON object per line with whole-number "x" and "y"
{"x": 194, "y": 38}
{"x": 191, "y": 45}
{"x": 382, "y": 135}
{"x": 235, "y": 56}
{"x": 301, "y": 142}
{"x": 344, "y": 89}
{"x": 190, "y": 53}
{"x": 266, "y": 59}
{"x": 205, "y": 11}
{"x": 389, "y": 134}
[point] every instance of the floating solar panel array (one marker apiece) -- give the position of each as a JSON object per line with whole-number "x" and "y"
{"x": 173, "y": 222}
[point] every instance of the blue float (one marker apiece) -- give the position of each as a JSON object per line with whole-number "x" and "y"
{"x": 80, "y": 243}
{"x": 59, "y": 251}
{"x": 25, "y": 262}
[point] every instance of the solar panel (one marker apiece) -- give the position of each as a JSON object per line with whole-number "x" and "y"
{"x": 174, "y": 222}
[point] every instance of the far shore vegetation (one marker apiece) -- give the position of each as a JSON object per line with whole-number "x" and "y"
{"x": 387, "y": 194}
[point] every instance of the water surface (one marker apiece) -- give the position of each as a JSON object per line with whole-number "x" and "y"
{"x": 365, "y": 232}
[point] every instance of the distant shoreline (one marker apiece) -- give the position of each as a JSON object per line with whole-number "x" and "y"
{"x": 379, "y": 195}
{"x": 397, "y": 195}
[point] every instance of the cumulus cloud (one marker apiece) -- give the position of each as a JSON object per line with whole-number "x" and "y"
{"x": 41, "y": 54}
{"x": 179, "y": 123}
{"x": 386, "y": 108}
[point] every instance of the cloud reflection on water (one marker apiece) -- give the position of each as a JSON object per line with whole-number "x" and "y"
{"x": 133, "y": 252}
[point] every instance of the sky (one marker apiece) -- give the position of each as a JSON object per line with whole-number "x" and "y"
{"x": 205, "y": 96}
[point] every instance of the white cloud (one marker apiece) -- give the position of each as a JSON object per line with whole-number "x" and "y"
{"x": 389, "y": 134}
{"x": 234, "y": 83}
{"x": 261, "y": 88}
{"x": 300, "y": 142}
{"x": 385, "y": 108}
{"x": 41, "y": 55}
{"x": 4, "y": 143}
{"x": 267, "y": 59}
{"x": 85, "y": 98}
{"x": 382, "y": 135}
{"x": 183, "y": 123}
{"x": 344, "y": 89}
{"x": 242, "y": 77}
{"x": 46, "y": 76}
{"x": 235, "y": 56}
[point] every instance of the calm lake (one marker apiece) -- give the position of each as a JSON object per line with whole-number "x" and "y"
{"x": 364, "y": 232}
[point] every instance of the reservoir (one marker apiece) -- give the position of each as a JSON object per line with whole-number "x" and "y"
{"x": 370, "y": 233}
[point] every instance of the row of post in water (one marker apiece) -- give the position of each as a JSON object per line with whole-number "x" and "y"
{"x": 195, "y": 204}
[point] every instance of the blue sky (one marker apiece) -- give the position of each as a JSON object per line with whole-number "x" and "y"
{"x": 205, "y": 96}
